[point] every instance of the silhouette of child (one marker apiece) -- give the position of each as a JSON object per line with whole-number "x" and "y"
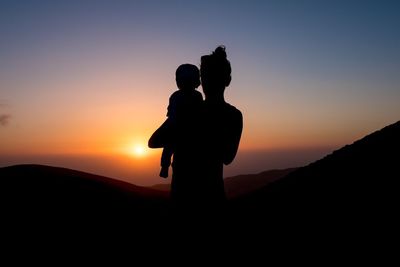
{"x": 182, "y": 104}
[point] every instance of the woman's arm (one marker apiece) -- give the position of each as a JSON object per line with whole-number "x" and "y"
{"x": 162, "y": 136}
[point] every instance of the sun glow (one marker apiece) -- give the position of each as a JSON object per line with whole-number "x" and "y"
{"x": 138, "y": 150}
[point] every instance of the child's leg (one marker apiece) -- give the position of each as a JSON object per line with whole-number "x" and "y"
{"x": 165, "y": 161}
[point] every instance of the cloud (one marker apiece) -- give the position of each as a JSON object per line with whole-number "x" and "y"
{"x": 4, "y": 119}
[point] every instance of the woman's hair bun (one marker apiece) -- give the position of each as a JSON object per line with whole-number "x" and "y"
{"x": 220, "y": 52}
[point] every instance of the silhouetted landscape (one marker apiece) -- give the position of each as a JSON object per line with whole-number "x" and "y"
{"x": 355, "y": 188}
{"x": 198, "y": 127}
{"x": 37, "y": 194}
{"x": 243, "y": 184}
{"x": 357, "y": 182}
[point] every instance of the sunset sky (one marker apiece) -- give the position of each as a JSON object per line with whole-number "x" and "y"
{"x": 82, "y": 79}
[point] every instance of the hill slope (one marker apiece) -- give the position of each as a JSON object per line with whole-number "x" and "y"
{"x": 36, "y": 191}
{"x": 358, "y": 180}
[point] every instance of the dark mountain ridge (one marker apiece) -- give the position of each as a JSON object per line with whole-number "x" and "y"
{"x": 357, "y": 181}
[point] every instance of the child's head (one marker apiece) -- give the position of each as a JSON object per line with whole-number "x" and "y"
{"x": 187, "y": 77}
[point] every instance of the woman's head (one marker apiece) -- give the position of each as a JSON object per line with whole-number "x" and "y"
{"x": 215, "y": 72}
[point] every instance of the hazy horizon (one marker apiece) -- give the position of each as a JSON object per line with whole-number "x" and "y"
{"x": 144, "y": 172}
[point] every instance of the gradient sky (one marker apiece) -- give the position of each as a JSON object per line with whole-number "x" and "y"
{"x": 94, "y": 77}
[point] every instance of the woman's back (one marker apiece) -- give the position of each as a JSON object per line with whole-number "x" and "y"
{"x": 221, "y": 131}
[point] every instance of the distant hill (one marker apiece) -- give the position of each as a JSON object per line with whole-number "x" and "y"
{"x": 37, "y": 191}
{"x": 243, "y": 184}
{"x": 357, "y": 181}
{"x": 161, "y": 187}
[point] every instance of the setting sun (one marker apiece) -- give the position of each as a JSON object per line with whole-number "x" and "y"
{"x": 138, "y": 150}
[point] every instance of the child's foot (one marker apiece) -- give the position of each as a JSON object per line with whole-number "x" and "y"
{"x": 164, "y": 172}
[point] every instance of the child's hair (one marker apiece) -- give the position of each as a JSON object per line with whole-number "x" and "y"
{"x": 187, "y": 76}
{"x": 216, "y": 67}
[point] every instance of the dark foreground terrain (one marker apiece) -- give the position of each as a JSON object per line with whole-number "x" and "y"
{"x": 355, "y": 187}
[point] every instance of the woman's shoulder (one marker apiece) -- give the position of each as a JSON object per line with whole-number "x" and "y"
{"x": 233, "y": 115}
{"x": 198, "y": 95}
{"x": 232, "y": 110}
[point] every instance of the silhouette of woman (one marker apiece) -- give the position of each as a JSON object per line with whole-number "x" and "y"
{"x": 206, "y": 142}
{"x": 222, "y": 125}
